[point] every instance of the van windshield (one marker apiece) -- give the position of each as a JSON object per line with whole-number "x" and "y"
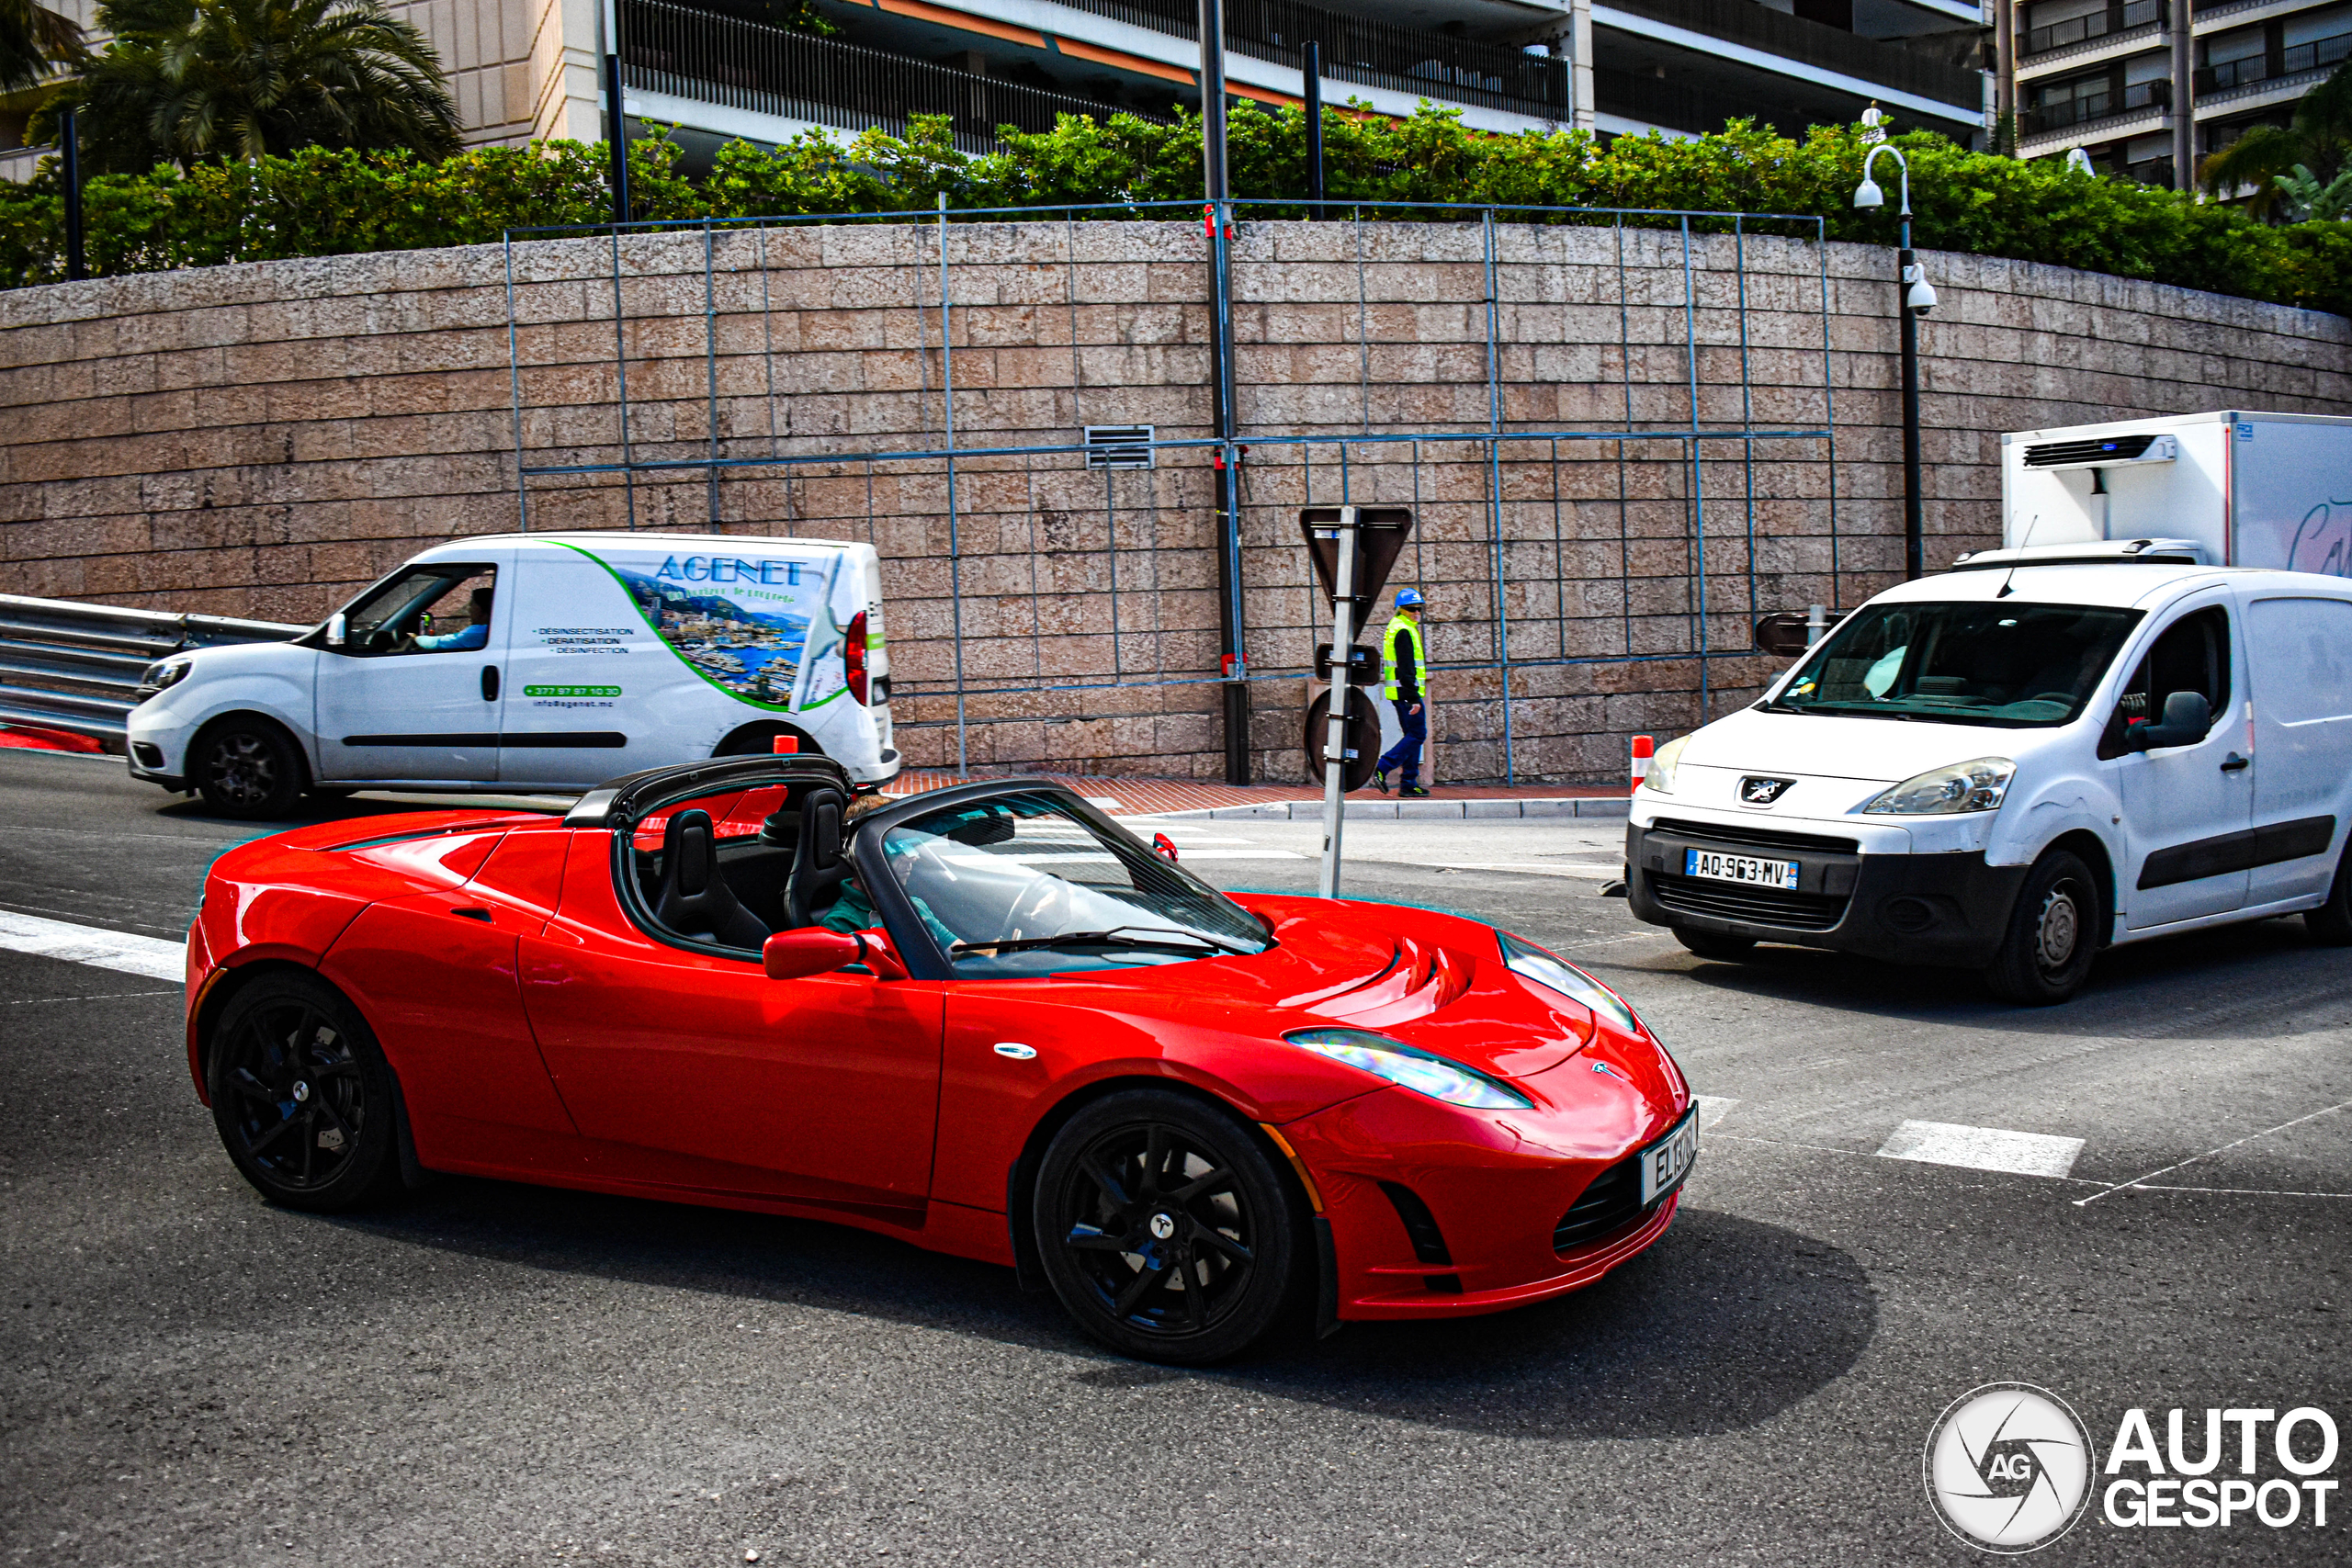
{"x": 2017, "y": 666}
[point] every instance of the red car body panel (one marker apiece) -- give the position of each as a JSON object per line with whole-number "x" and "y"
{"x": 539, "y": 1034}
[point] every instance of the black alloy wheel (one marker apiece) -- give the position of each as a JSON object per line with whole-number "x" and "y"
{"x": 1166, "y": 1230}
{"x": 303, "y": 1096}
{"x": 2053, "y": 934}
{"x": 248, "y": 770}
{"x": 1721, "y": 948}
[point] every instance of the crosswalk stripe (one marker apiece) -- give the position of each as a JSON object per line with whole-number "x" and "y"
{"x": 1983, "y": 1148}
{"x": 150, "y": 956}
{"x": 1713, "y": 1108}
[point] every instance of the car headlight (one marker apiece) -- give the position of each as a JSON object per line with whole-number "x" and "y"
{"x": 1424, "y": 1072}
{"x": 1532, "y": 963}
{"x": 1979, "y": 785}
{"x": 1661, "y": 774}
{"x": 163, "y": 675}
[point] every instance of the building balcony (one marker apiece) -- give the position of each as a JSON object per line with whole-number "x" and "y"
{"x": 2097, "y": 25}
{"x": 2315, "y": 55}
{"x": 1828, "y": 52}
{"x": 2137, "y": 98}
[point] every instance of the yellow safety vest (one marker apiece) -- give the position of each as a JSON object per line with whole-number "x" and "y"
{"x": 1389, "y": 687}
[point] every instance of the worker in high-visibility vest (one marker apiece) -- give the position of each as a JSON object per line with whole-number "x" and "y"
{"x": 1404, "y": 660}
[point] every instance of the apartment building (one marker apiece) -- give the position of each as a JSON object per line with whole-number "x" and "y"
{"x": 2148, "y": 87}
{"x": 721, "y": 69}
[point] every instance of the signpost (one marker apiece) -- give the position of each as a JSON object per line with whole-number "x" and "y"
{"x": 1353, "y": 547}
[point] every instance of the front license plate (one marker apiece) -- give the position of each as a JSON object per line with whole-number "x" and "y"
{"x": 1667, "y": 1161}
{"x": 1720, "y": 867}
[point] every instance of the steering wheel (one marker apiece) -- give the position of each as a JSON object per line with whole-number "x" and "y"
{"x": 1046, "y": 903}
{"x": 379, "y": 639}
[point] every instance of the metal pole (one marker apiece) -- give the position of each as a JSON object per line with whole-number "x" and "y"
{"x": 1914, "y": 530}
{"x": 1313, "y": 70}
{"x": 955, "y": 540}
{"x": 69, "y": 145}
{"x": 1219, "y": 218}
{"x": 617, "y": 134}
{"x": 1335, "y": 735}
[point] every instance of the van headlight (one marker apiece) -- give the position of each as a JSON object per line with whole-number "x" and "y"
{"x": 1980, "y": 786}
{"x": 163, "y": 675}
{"x": 1661, "y": 774}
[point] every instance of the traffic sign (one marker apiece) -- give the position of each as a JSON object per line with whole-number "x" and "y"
{"x": 1380, "y": 533}
{"x": 1361, "y": 745}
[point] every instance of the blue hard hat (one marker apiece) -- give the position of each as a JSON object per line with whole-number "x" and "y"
{"x": 1409, "y": 599}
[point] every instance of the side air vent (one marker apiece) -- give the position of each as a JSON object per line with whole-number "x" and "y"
{"x": 1420, "y": 1225}
{"x": 1119, "y": 446}
{"x": 2102, "y": 451}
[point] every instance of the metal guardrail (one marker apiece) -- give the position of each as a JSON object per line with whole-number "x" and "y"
{"x": 75, "y": 667}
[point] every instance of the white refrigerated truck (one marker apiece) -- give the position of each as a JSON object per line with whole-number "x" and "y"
{"x": 2257, "y": 490}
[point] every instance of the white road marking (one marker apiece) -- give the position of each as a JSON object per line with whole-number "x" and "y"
{"x": 1713, "y": 1108}
{"x": 1983, "y": 1148}
{"x": 147, "y": 955}
{"x": 1189, "y": 853}
{"x": 2208, "y": 1154}
{"x": 1585, "y": 873}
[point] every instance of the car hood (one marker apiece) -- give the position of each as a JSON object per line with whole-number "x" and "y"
{"x": 1868, "y": 751}
{"x": 1432, "y": 980}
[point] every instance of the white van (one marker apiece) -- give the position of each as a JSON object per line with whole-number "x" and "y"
{"x": 538, "y": 662}
{"x": 2010, "y": 766}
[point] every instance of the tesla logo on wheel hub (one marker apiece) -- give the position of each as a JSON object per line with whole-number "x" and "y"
{"x": 1163, "y": 1225}
{"x": 1763, "y": 792}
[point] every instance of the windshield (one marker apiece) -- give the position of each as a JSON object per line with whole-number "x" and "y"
{"x": 1020, "y": 884}
{"x": 2012, "y": 665}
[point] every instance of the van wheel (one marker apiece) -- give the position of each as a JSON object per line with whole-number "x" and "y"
{"x": 2331, "y": 923}
{"x": 1715, "y": 944}
{"x": 2046, "y": 953}
{"x": 247, "y": 769}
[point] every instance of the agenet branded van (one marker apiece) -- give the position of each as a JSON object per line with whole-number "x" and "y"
{"x": 2017, "y": 763}
{"x": 540, "y": 661}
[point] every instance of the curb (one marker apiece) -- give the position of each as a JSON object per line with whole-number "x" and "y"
{"x": 1408, "y": 810}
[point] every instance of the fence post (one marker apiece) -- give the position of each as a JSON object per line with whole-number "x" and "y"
{"x": 69, "y": 146}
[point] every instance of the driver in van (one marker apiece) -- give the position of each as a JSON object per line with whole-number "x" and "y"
{"x": 474, "y": 634}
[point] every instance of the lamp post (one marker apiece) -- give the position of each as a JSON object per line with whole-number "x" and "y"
{"x": 1916, "y": 298}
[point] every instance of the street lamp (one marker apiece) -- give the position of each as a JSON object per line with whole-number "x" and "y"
{"x": 1918, "y": 299}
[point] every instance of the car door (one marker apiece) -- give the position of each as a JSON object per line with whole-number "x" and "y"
{"x": 2186, "y": 809}
{"x": 702, "y": 1072}
{"x": 410, "y": 689}
{"x": 2299, "y": 653}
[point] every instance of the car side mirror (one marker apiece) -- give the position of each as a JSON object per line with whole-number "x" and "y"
{"x": 2188, "y": 716}
{"x": 336, "y": 628}
{"x": 1784, "y": 635}
{"x": 811, "y": 950}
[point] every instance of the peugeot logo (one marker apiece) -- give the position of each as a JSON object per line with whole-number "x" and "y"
{"x": 1763, "y": 792}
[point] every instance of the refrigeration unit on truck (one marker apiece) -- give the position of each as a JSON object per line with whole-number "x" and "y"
{"x": 2253, "y": 490}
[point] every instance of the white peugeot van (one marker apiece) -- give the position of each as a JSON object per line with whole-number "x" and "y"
{"x": 538, "y": 662}
{"x": 2010, "y": 766}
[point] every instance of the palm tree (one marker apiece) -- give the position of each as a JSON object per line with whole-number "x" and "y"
{"x": 34, "y": 40}
{"x": 2296, "y": 170}
{"x": 190, "y": 81}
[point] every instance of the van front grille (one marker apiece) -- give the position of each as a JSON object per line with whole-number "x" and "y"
{"x": 1749, "y": 904}
{"x": 1757, "y": 838}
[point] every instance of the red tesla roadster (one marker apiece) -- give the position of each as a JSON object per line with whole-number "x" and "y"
{"x": 985, "y": 1019}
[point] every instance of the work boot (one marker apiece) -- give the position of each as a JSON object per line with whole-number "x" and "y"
{"x": 1380, "y": 780}
{"x": 1413, "y": 792}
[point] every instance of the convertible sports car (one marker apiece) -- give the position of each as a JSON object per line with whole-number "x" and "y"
{"x": 986, "y": 1020}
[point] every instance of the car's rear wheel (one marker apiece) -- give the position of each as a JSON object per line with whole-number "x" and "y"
{"x": 2045, "y": 955}
{"x": 302, "y": 1095}
{"x": 246, "y": 768}
{"x": 1166, "y": 1230}
{"x": 1715, "y": 944}
{"x": 2331, "y": 923}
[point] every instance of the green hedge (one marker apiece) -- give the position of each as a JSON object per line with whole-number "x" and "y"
{"x": 319, "y": 202}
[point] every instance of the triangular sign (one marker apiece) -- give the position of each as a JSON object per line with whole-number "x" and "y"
{"x": 1380, "y": 533}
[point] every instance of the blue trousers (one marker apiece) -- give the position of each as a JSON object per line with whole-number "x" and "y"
{"x": 1406, "y": 752}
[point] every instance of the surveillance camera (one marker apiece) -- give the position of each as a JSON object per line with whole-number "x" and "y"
{"x": 1921, "y": 299}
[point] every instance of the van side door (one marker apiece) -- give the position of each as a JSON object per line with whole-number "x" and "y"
{"x": 2186, "y": 809}
{"x": 584, "y": 675}
{"x": 2299, "y": 650}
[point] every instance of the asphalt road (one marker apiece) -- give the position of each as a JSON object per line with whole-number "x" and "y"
{"x": 488, "y": 1374}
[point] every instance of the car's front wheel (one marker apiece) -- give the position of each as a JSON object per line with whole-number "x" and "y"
{"x": 1166, "y": 1230}
{"x": 2045, "y": 955}
{"x": 1713, "y": 944}
{"x": 302, "y": 1095}
{"x": 2331, "y": 923}
{"x": 246, "y": 768}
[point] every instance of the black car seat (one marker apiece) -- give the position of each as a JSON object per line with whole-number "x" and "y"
{"x": 819, "y": 867}
{"x": 695, "y": 900}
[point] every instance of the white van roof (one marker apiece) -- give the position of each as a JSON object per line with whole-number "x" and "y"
{"x": 2124, "y": 584}
{"x": 608, "y": 538}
